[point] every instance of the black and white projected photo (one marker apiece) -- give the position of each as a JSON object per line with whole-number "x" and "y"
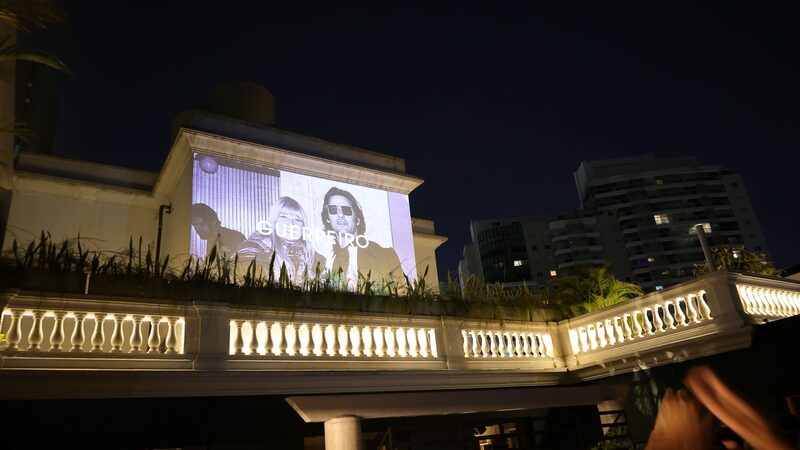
{"x": 309, "y": 225}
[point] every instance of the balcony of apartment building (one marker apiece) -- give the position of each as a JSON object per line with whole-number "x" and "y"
{"x": 71, "y": 346}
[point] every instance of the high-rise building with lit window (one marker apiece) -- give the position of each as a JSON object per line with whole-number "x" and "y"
{"x": 638, "y": 214}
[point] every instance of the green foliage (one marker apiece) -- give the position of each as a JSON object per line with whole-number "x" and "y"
{"x": 739, "y": 259}
{"x": 22, "y": 15}
{"x": 590, "y": 289}
{"x": 476, "y": 299}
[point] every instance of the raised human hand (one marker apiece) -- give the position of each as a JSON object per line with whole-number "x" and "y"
{"x": 732, "y": 410}
{"x": 681, "y": 424}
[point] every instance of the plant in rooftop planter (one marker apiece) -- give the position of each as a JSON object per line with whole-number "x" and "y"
{"x": 591, "y": 289}
{"x": 739, "y": 259}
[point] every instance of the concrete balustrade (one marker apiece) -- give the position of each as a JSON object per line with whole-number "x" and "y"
{"x": 55, "y": 322}
{"x": 638, "y": 320}
{"x": 93, "y": 333}
{"x": 319, "y": 338}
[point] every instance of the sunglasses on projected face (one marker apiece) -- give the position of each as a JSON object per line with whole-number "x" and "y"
{"x": 345, "y": 210}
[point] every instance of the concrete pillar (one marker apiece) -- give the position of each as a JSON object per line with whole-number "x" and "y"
{"x": 343, "y": 433}
{"x": 208, "y": 335}
{"x": 450, "y": 344}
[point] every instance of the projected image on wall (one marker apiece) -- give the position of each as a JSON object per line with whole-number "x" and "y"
{"x": 308, "y": 226}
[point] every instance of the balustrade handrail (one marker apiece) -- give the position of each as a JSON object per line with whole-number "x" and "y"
{"x": 42, "y": 326}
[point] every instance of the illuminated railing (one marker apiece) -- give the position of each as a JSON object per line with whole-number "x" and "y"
{"x": 95, "y": 333}
{"x": 80, "y": 328}
{"x": 327, "y": 337}
{"x": 768, "y": 302}
{"x": 512, "y": 342}
{"x": 638, "y": 320}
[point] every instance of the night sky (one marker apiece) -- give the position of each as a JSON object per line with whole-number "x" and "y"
{"x": 493, "y": 105}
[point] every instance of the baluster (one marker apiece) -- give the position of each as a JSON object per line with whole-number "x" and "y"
{"x": 637, "y": 325}
{"x": 238, "y": 340}
{"x": 601, "y": 334}
{"x": 355, "y": 341}
{"x": 366, "y": 338}
{"x": 501, "y": 344}
{"x": 57, "y": 336}
{"x": 780, "y": 303}
{"x": 318, "y": 337}
{"x": 774, "y": 306}
{"x": 788, "y": 304}
{"x": 540, "y": 345}
{"x": 744, "y": 296}
{"x": 516, "y": 345}
{"x": 680, "y": 317}
{"x": 704, "y": 305}
{"x": 290, "y": 334}
{"x": 668, "y": 315}
{"x": 474, "y": 337}
{"x": 136, "y": 334}
{"x": 388, "y": 335}
{"x": 422, "y": 339}
{"x": 610, "y": 332}
{"x": 591, "y": 334}
{"x": 646, "y": 319}
{"x": 626, "y": 323}
{"x": 305, "y": 339}
{"x": 761, "y": 302}
{"x": 402, "y": 348}
{"x": 484, "y": 345}
{"x": 526, "y": 345}
{"x": 78, "y": 337}
{"x": 171, "y": 340}
{"x": 330, "y": 340}
{"x": 490, "y": 336}
{"x": 267, "y": 344}
{"x": 98, "y": 335}
{"x": 583, "y": 338}
{"x": 36, "y": 336}
{"x": 432, "y": 341}
{"x": 117, "y": 339}
{"x": 154, "y": 339}
{"x": 276, "y": 333}
{"x": 343, "y": 344}
{"x": 411, "y": 338}
{"x": 254, "y": 344}
{"x": 657, "y": 318}
{"x": 618, "y": 329}
{"x": 14, "y": 334}
{"x": 377, "y": 334}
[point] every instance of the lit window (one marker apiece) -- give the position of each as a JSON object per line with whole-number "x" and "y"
{"x": 553, "y": 273}
{"x": 651, "y": 259}
{"x": 659, "y": 181}
{"x": 659, "y": 287}
{"x": 519, "y": 262}
{"x": 660, "y": 219}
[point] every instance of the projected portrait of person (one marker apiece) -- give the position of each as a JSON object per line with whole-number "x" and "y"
{"x": 207, "y": 225}
{"x": 353, "y": 253}
{"x": 285, "y": 234}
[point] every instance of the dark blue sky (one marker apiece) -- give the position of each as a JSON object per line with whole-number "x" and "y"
{"x": 494, "y": 105}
